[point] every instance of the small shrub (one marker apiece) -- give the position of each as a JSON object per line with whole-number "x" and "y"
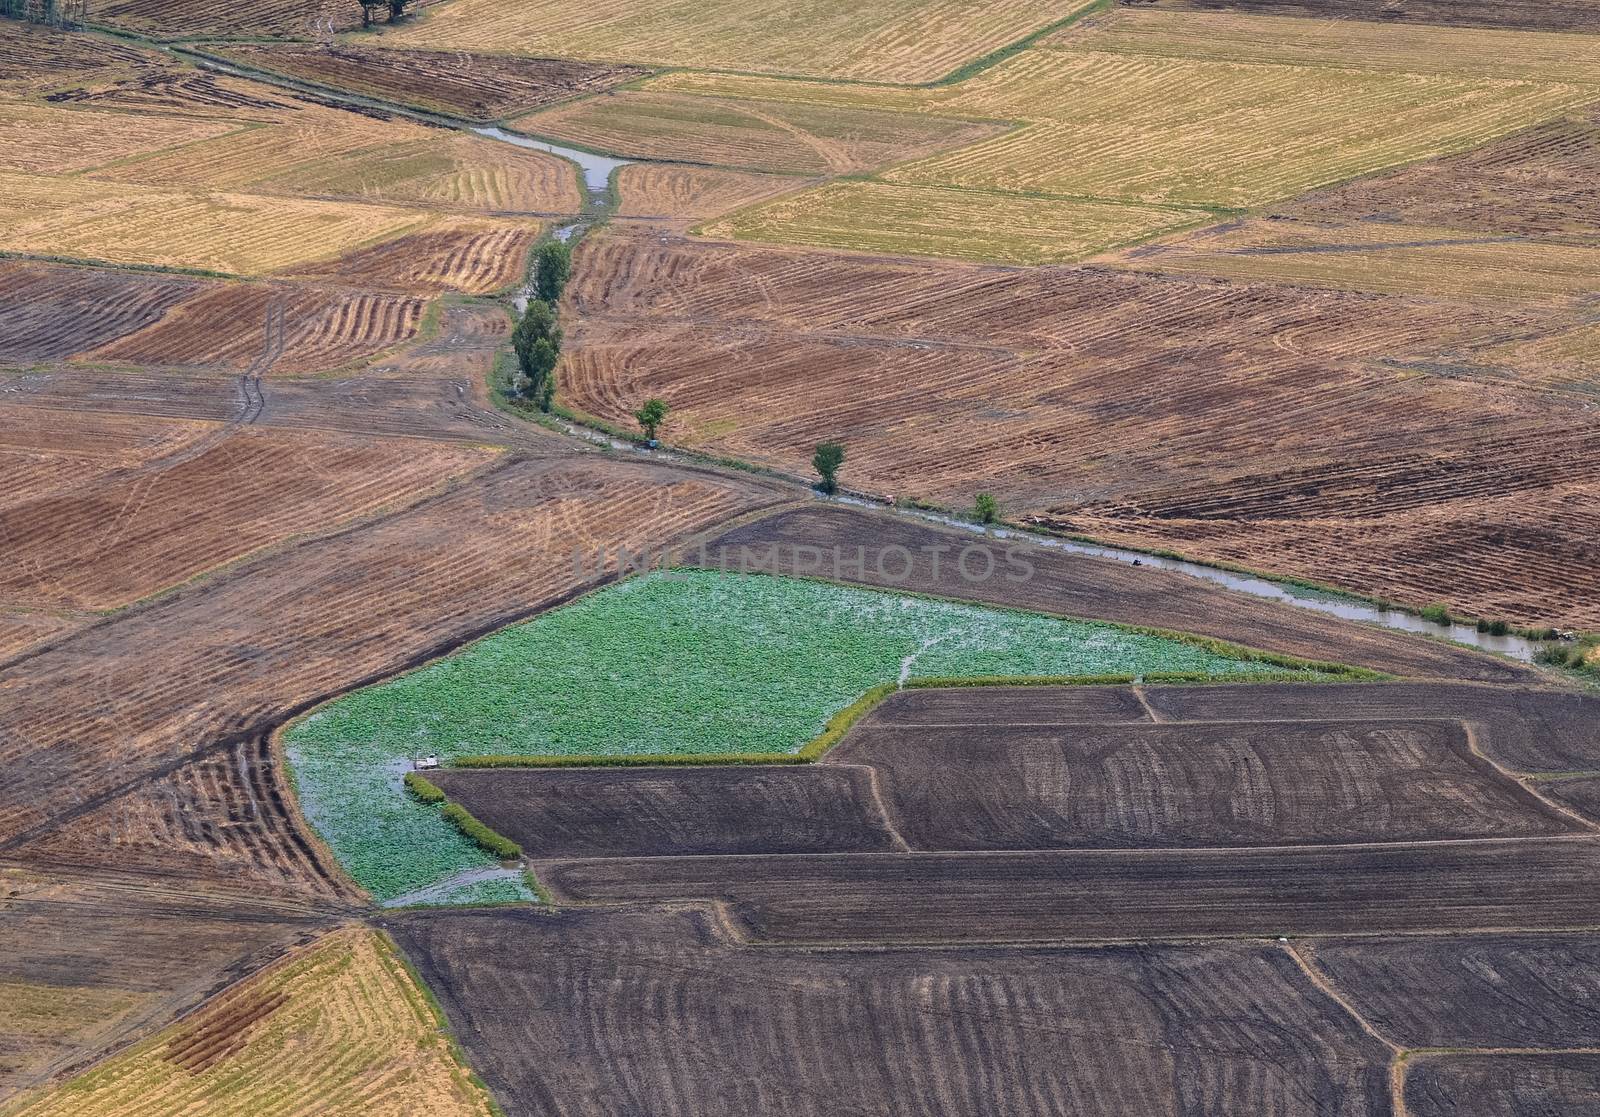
{"x": 496, "y": 844}
{"x": 423, "y": 789}
{"x": 986, "y": 509}
{"x": 1437, "y": 613}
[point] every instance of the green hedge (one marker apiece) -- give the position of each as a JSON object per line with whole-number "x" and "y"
{"x": 496, "y": 844}
{"x": 423, "y": 789}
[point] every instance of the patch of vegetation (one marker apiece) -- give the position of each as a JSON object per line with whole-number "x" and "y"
{"x": 423, "y": 789}
{"x": 495, "y": 844}
{"x": 693, "y": 664}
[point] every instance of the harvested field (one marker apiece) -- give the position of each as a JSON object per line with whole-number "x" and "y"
{"x": 189, "y": 19}
{"x": 890, "y": 41}
{"x": 461, "y": 254}
{"x": 1295, "y": 430}
{"x": 338, "y": 1028}
{"x": 103, "y": 716}
{"x": 753, "y": 135}
{"x": 239, "y": 233}
{"x": 1080, "y": 586}
{"x": 1502, "y": 1086}
{"x": 649, "y": 812}
{"x": 21, "y": 630}
{"x": 676, "y": 193}
{"x": 1531, "y": 15}
{"x": 162, "y": 86}
{"x": 48, "y": 311}
{"x": 481, "y": 87}
{"x": 629, "y": 1004}
{"x": 130, "y": 532}
{"x": 1109, "y": 895}
{"x": 1388, "y": 45}
{"x": 1386, "y": 258}
{"x": 936, "y": 221}
{"x": 1022, "y": 788}
{"x": 225, "y": 326}
{"x": 40, "y": 139}
{"x": 35, "y": 58}
{"x": 92, "y": 962}
{"x": 1581, "y": 794}
{"x": 1489, "y": 991}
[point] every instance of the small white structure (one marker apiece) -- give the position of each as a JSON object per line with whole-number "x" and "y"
{"x": 424, "y": 763}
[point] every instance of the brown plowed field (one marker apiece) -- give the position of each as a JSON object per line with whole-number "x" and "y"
{"x": 1502, "y": 1086}
{"x": 459, "y": 83}
{"x": 107, "y": 714}
{"x": 48, "y": 311}
{"x": 1279, "y": 437}
{"x": 1099, "y": 895}
{"x": 1519, "y": 15}
{"x": 1092, "y": 588}
{"x": 94, "y": 961}
{"x": 1489, "y": 991}
{"x": 1580, "y": 794}
{"x": 1020, "y": 788}
{"x": 34, "y": 58}
{"x": 472, "y": 256}
{"x": 20, "y": 631}
{"x": 224, "y": 818}
{"x": 629, "y": 1005}
{"x": 187, "y": 19}
{"x": 224, "y": 326}
{"x": 650, "y": 812}
{"x": 131, "y": 532}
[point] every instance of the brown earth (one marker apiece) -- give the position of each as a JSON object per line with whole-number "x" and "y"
{"x": 470, "y": 258}
{"x": 649, "y": 812}
{"x": 999, "y": 787}
{"x": 1277, "y": 427}
{"x": 666, "y": 192}
{"x": 1580, "y": 794}
{"x": 1117, "y": 895}
{"x": 1502, "y": 1086}
{"x": 94, "y": 960}
{"x": 1519, "y": 15}
{"x": 122, "y": 535}
{"x": 1075, "y": 585}
{"x": 185, "y": 19}
{"x": 480, "y": 87}
{"x": 50, "y": 311}
{"x": 1488, "y": 991}
{"x": 631, "y": 1004}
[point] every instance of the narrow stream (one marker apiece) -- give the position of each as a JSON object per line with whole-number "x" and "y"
{"x": 1517, "y": 647}
{"x": 597, "y": 172}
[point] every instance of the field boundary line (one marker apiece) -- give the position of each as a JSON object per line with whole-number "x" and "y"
{"x": 1137, "y": 689}
{"x": 882, "y": 804}
{"x": 1307, "y": 967}
{"x": 1475, "y": 748}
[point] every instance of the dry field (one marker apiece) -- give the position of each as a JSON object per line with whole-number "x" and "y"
{"x": 1279, "y": 427}
{"x": 1491, "y": 991}
{"x": 939, "y": 221}
{"x": 337, "y": 1028}
{"x": 648, "y": 1003}
{"x": 457, "y": 83}
{"x": 92, "y": 962}
{"x": 118, "y": 536}
{"x": 888, "y": 41}
{"x": 674, "y": 193}
{"x": 753, "y": 135}
{"x": 94, "y": 724}
{"x": 1531, "y": 15}
{"x": 474, "y": 255}
{"x": 190, "y": 19}
{"x": 1562, "y": 1085}
{"x": 44, "y": 139}
{"x": 34, "y": 58}
{"x": 1513, "y": 219}
{"x": 167, "y": 321}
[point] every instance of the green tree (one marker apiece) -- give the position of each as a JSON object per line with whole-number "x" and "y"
{"x": 651, "y": 416}
{"x": 986, "y": 508}
{"x": 537, "y": 343}
{"x": 553, "y": 265}
{"x": 827, "y": 460}
{"x": 367, "y": 8}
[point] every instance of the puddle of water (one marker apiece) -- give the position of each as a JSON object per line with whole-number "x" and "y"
{"x": 596, "y": 168}
{"x": 1516, "y": 647}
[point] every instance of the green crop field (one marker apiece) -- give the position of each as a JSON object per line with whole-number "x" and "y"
{"x": 703, "y": 663}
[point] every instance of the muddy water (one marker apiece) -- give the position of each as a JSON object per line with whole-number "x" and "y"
{"x": 596, "y": 169}
{"x": 1345, "y": 608}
